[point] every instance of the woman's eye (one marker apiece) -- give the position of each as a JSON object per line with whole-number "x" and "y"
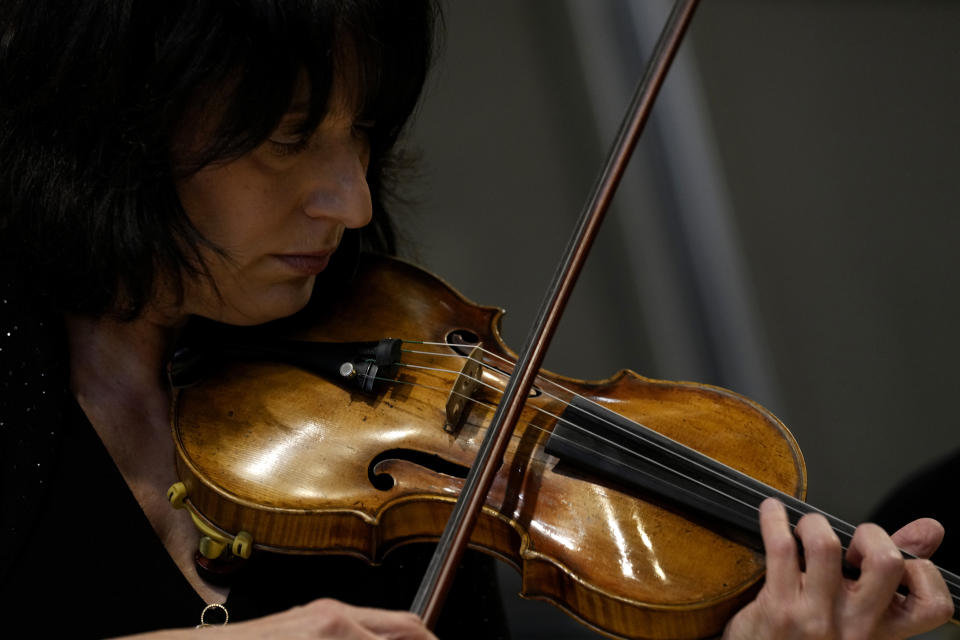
{"x": 288, "y": 142}
{"x": 288, "y": 145}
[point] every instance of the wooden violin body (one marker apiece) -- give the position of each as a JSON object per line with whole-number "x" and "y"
{"x": 305, "y": 465}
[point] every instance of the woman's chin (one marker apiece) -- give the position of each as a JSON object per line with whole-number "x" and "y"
{"x": 278, "y": 302}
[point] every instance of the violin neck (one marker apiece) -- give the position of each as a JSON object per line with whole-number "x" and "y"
{"x": 591, "y": 439}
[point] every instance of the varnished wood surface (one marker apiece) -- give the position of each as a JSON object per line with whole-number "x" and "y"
{"x": 285, "y": 455}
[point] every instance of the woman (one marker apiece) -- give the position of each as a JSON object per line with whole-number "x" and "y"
{"x": 163, "y": 161}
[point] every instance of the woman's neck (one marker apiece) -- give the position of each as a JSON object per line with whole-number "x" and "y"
{"x": 116, "y": 374}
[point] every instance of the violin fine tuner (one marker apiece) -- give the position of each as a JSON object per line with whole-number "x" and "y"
{"x": 367, "y": 362}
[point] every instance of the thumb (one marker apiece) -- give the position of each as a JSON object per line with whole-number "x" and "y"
{"x": 920, "y": 537}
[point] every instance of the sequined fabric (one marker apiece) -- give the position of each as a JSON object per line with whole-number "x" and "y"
{"x": 33, "y": 387}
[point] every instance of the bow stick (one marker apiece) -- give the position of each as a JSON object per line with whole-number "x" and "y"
{"x": 440, "y": 572}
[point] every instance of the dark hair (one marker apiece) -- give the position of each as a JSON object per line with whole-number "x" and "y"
{"x": 93, "y": 94}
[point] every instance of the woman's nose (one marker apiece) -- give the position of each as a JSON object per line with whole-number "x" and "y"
{"x": 338, "y": 188}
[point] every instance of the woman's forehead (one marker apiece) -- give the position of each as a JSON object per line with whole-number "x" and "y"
{"x": 344, "y": 96}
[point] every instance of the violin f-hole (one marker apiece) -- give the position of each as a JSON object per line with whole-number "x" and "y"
{"x": 431, "y": 461}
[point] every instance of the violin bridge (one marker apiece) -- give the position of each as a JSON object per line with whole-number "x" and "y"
{"x": 462, "y": 390}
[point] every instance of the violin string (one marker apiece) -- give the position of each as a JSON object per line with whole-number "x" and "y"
{"x": 641, "y": 435}
{"x": 555, "y": 417}
{"x": 574, "y": 426}
{"x": 577, "y": 427}
{"x": 948, "y": 577}
{"x": 615, "y": 426}
{"x": 605, "y": 440}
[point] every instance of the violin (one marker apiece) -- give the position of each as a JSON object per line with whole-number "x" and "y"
{"x": 630, "y": 503}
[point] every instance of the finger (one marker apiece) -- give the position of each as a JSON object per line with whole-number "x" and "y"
{"x": 780, "y": 547}
{"x": 337, "y": 619}
{"x": 927, "y": 605}
{"x": 881, "y": 571}
{"x": 393, "y": 624}
{"x": 823, "y": 555}
{"x": 920, "y": 537}
{"x": 326, "y": 619}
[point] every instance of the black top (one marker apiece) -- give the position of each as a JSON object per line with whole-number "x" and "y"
{"x": 79, "y": 559}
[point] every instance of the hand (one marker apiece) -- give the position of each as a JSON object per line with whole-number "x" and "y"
{"x": 320, "y": 619}
{"x": 819, "y": 603}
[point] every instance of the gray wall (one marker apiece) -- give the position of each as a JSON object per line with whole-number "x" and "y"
{"x": 835, "y": 134}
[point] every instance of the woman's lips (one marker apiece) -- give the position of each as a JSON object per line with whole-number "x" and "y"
{"x": 309, "y": 264}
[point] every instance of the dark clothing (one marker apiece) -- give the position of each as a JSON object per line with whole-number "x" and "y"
{"x": 81, "y": 560}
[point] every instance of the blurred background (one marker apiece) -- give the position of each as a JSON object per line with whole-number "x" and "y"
{"x": 787, "y": 228}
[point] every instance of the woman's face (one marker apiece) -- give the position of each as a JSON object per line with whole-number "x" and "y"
{"x": 278, "y": 213}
